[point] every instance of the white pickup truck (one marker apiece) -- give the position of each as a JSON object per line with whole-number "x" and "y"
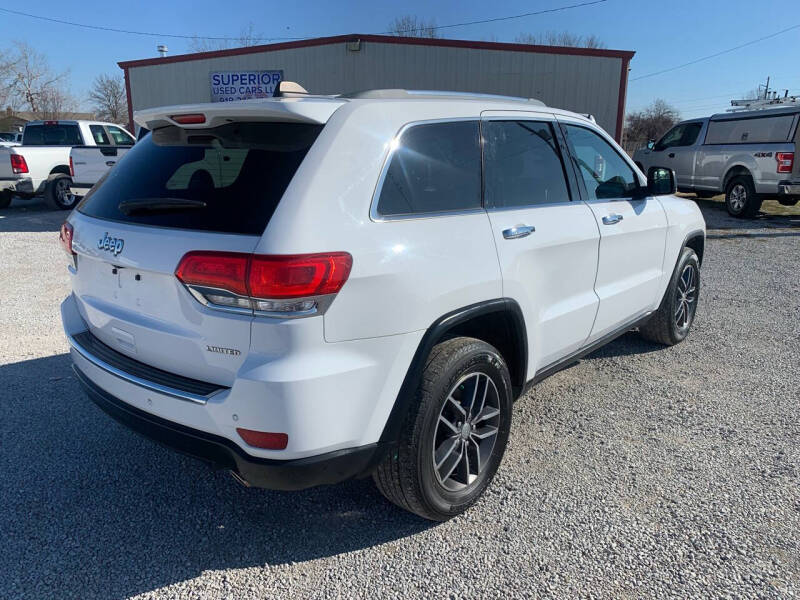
{"x": 88, "y": 164}
{"x": 41, "y": 166}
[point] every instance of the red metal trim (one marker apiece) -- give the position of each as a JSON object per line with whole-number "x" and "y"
{"x": 625, "y": 55}
{"x": 623, "y": 91}
{"x": 131, "y": 126}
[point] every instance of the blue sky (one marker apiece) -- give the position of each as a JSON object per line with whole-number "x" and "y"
{"x": 663, "y": 34}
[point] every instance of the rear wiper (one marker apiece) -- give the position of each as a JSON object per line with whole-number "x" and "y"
{"x": 130, "y": 207}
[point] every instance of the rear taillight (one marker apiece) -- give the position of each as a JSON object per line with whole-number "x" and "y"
{"x": 65, "y": 238}
{"x": 785, "y": 161}
{"x": 71, "y": 168}
{"x": 18, "y": 164}
{"x": 264, "y": 439}
{"x": 277, "y": 285}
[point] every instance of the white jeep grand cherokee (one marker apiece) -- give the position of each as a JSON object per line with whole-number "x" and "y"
{"x": 308, "y": 289}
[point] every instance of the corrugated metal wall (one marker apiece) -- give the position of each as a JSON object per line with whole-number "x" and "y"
{"x": 586, "y": 84}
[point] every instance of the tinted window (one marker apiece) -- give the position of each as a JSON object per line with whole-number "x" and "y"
{"x": 236, "y": 174}
{"x": 120, "y": 137}
{"x": 691, "y": 133}
{"x": 59, "y": 134}
{"x": 99, "y": 135}
{"x": 671, "y": 138}
{"x": 750, "y": 131}
{"x": 436, "y": 167}
{"x": 603, "y": 170}
{"x": 522, "y": 166}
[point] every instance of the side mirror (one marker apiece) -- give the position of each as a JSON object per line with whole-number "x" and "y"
{"x": 661, "y": 182}
{"x": 651, "y": 144}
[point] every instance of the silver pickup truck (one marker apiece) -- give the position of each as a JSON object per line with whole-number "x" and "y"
{"x": 749, "y": 156}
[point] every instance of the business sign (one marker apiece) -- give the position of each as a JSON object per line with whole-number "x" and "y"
{"x": 242, "y": 85}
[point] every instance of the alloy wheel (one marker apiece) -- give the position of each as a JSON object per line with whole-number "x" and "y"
{"x": 686, "y": 297}
{"x": 63, "y": 194}
{"x": 466, "y": 431}
{"x": 737, "y": 197}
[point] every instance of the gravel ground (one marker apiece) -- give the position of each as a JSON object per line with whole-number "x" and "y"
{"x": 641, "y": 471}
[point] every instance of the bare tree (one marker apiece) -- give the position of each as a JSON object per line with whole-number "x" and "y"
{"x": 32, "y": 84}
{"x": 109, "y": 99}
{"x": 248, "y": 36}
{"x": 650, "y": 123}
{"x": 565, "y": 38}
{"x": 6, "y": 77}
{"x": 55, "y": 103}
{"x": 412, "y": 26}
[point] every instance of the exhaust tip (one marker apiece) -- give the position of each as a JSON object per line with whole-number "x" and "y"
{"x": 240, "y": 479}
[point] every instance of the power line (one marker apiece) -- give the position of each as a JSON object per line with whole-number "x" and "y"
{"x": 272, "y": 39}
{"x": 692, "y": 62}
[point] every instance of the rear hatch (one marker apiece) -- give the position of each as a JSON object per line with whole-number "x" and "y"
{"x": 180, "y": 190}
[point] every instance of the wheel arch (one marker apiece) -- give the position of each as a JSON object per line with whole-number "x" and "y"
{"x": 697, "y": 242}
{"x": 735, "y": 171}
{"x": 498, "y": 322}
{"x": 60, "y": 169}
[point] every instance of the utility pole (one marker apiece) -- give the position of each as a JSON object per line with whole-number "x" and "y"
{"x": 766, "y": 89}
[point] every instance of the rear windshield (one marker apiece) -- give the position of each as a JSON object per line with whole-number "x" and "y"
{"x": 56, "y": 134}
{"x": 227, "y": 179}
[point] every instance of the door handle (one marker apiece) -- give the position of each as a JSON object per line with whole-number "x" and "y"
{"x": 110, "y": 163}
{"x": 671, "y": 155}
{"x": 518, "y": 231}
{"x": 612, "y": 219}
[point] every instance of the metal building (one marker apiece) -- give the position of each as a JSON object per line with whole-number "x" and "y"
{"x": 583, "y": 80}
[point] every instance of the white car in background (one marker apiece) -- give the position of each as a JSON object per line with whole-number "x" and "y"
{"x": 41, "y": 165}
{"x": 9, "y": 138}
{"x": 306, "y": 289}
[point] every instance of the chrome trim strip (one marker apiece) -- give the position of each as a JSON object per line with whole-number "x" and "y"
{"x": 138, "y": 381}
{"x": 321, "y": 304}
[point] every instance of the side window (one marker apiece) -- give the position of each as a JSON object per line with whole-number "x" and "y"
{"x": 603, "y": 170}
{"x": 690, "y": 134}
{"x": 522, "y": 165}
{"x": 436, "y": 167}
{"x": 99, "y": 135}
{"x": 671, "y": 138}
{"x": 120, "y": 137}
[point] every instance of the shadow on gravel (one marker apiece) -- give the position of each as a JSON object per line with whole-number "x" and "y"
{"x": 30, "y": 216}
{"x": 626, "y": 345}
{"x": 90, "y": 509}
{"x": 717, "y": 217}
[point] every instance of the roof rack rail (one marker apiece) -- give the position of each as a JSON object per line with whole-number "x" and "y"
{"x": 401, "y": 94}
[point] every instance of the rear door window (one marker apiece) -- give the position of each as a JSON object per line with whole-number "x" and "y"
{"x": 435, "y": 168}
{"x": 99, "y": 135}
{"x": 522, "y": 165}
{"x": 52, "y": 134}
{"x": 228, "y": 179}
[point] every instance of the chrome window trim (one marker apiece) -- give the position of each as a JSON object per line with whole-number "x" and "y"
{"x": 373, "y": 208}
{"x": 138, "y": 381}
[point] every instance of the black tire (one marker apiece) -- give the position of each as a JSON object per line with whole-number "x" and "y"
{"x": 459, "y": 368}
{"x": 5, "y": 199}
{"x": 741, "y": 199}
{"x": 57, "y": 193}
{"x": 667, "y": 325}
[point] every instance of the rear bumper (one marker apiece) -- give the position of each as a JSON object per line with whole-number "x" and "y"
{"x": 18, "y": 186}
{"x": 789, "y": 188}
{"x": 221, "y": 453}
